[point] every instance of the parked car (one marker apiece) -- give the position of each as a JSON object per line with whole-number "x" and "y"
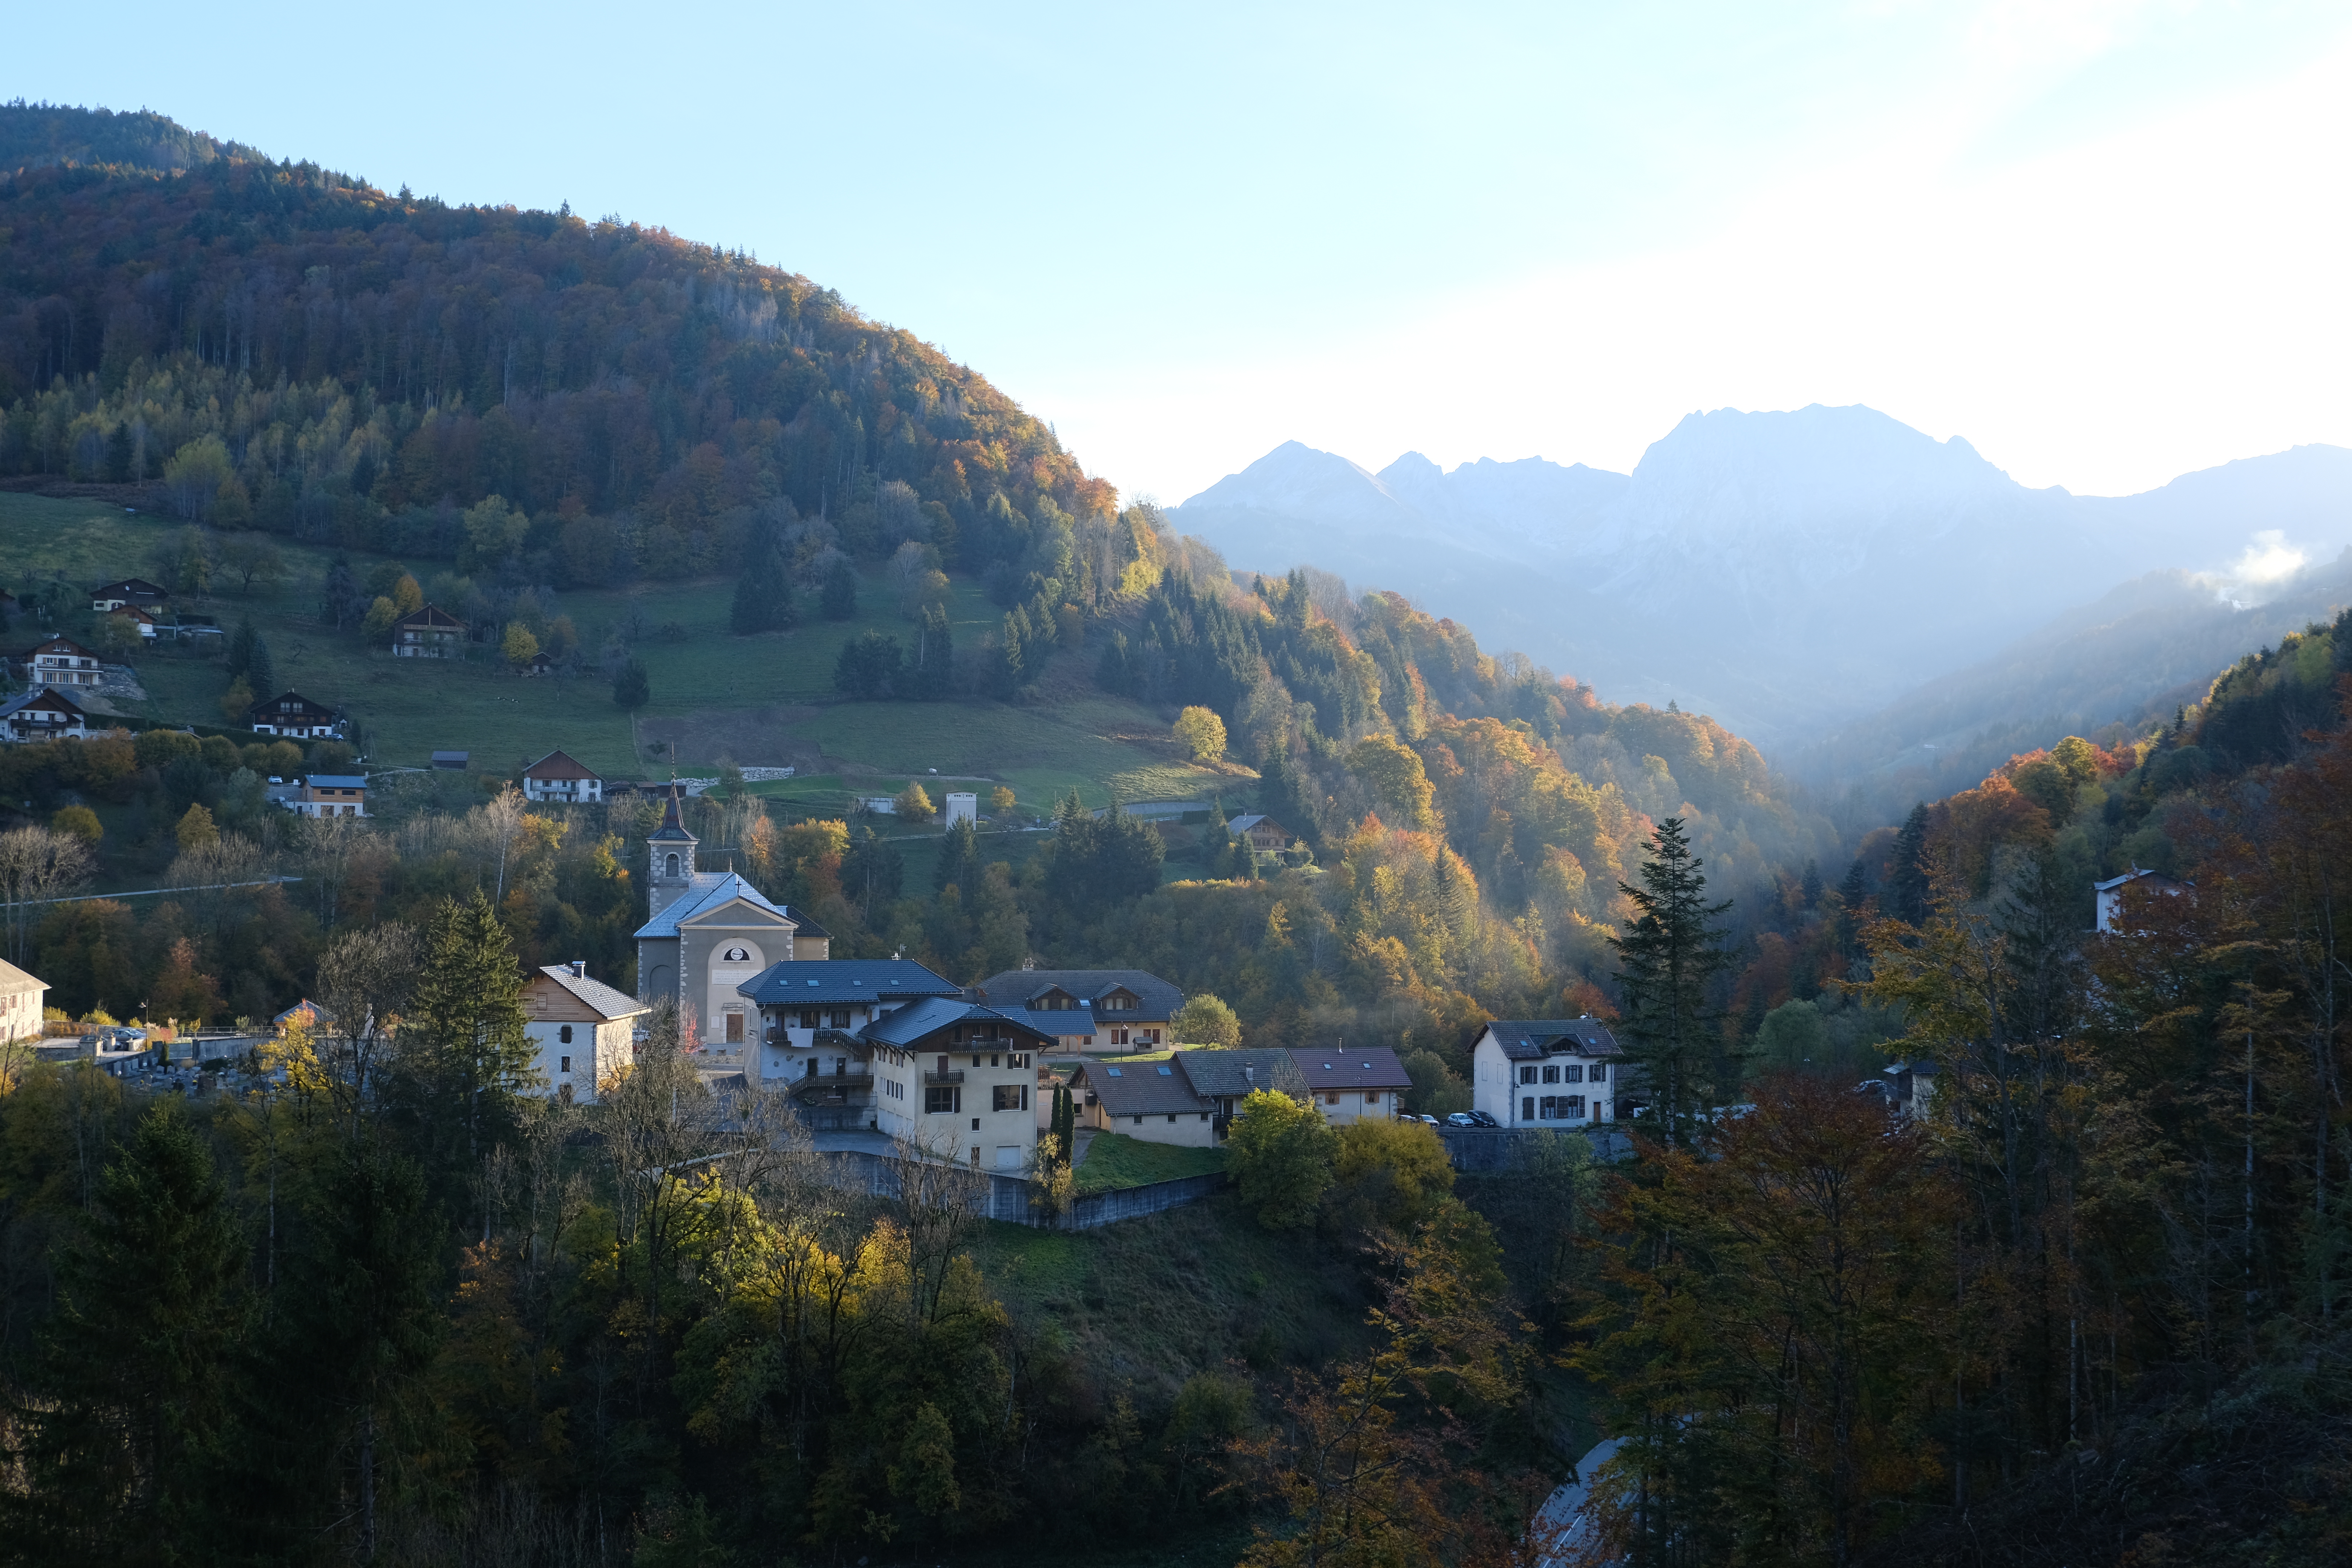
{"x": 1481, "y": 1118}
{"x": 1431, "y": 1120}
{"x": 1461, "y": 1119}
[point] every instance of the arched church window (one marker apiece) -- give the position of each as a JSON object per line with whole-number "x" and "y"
{"x": 672, "y": 868}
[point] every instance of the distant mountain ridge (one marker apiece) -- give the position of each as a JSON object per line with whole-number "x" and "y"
{"x": 1786, "y": 571}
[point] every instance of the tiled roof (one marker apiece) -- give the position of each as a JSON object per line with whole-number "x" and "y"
{"x": 606, "y": 1001}
{"x": 45, "y": 698}
{"x": 812, "y": 982}
{"x": 429, "y": 617}
{"x": 1140, "y": 1089}
{"x": 710, "y": 890}
{"x": 1238, "y": 1072}
{"x": 1354, "y": 1068}
{"x": 1531, "y": 1039}
{"x": 61, "y": 645}
{"x": 907, "y": 1024}
{"x": 1021, "y": 987}
{"x": 556, "y": 765}
{"x": 337, "y": 781}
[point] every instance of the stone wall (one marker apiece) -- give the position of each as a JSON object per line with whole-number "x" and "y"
{"x": 1008, "y": 1198}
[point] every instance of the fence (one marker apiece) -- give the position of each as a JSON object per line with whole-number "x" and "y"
{"x": 1008, "y": 1198}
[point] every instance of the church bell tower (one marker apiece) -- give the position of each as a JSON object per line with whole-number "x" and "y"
{"x": 669, "y": 849}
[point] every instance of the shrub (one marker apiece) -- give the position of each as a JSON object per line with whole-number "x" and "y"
{"x": 1281, "y": 1155}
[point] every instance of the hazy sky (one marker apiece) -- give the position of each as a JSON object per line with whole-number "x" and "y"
{"x": 2106, "y": 241}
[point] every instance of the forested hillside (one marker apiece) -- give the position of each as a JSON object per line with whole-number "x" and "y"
{"x": 2132, "y": 1200}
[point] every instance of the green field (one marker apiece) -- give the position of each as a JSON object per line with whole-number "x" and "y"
{"x": 1114, "y": 1160}
{"x": 715, "y": 697}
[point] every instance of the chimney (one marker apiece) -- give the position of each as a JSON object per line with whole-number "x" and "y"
{"x": 579, "y": 969}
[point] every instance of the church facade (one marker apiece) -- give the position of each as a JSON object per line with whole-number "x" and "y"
{"x": 710, "y": 932}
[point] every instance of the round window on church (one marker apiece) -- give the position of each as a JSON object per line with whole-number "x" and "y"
{"x": 738, "y": 955}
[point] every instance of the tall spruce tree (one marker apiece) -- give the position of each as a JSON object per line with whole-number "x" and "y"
{"x": 959, "y": 859}
{"x": 118, "y": 1445}
{"x": 1906, "y": 869}
{"x": 1669, "y": 952}
{"x": 464, "y": 1055}
{"x": 764, "y": 592}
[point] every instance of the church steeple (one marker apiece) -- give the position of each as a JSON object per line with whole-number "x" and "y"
{"x": 670, "y": 852}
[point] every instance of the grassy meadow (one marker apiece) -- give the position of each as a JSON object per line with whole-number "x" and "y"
{"x": 715, "y": 697}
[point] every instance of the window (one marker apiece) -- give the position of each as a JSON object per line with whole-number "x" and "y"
{"x": 1139, "y": 1121}
{"x": 1009, "y": 1097}
{"x": 1372, "y": 1097}
{"x": 1332, "y": 1099}
{"x": 563, "y": 1035}
{"x": 1572, "y": 1073}
{"x": 1547, "y": 1108}
{"x": 567, "y": 1064}
{"x": 838, "y": 1018}
{"x": 975, "y": 1127}
{"x": 809, "y": 1017}
{"x": 942, "y": 1101}
{"x": 1599, "y": 1072}
{"x": 1551, "y": 1075}
{"x": 670, "y": 866}
{"x": 1571, "y": 1107}
{"x": 1526, "y": 1075}
{"x": 1526, "y": 1108}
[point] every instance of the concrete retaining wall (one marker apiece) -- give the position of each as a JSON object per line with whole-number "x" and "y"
{"x": 1007, "y": 1198}
{"x": 1487, "y": 1151}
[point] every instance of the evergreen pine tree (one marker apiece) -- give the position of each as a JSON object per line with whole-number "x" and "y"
{"x": 934, "y": 673}
{"x": 465, "y": 1054}
{"x": 260, "y": 673}
{"x": 763, "y": 592}
{"x": 240, "y": 649}
{"x": 1669, "y": 952}
{"x": 1906, "y": 869}
{"x": 131, "y": 1387}
{"x": 1855, "y": 887}
{"x": 840, "y": 593}
{"x": 959, "y": 859}
{"x": 1810, "y": 889}
{"x": 1010, "y": 654}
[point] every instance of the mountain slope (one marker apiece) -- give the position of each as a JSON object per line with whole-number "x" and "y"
{"x": 1789, "y": 571}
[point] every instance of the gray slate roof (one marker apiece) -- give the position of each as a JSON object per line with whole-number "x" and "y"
{"x": 1019, "y": 987}
{"x": 1237, "y": 1073}
{"x": 1354, "y": 1068}
{"x": 904, "y": 1027}
{"x": 710, "y": 890}
{"x": 1140, "y": 1089}
{"x": 606, "y": 1003}
{"x": 814, "y": 983}
{"x": 1532, "y": 1040}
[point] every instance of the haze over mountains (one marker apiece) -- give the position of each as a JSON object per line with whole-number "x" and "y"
{"x": 1790, "y": 572}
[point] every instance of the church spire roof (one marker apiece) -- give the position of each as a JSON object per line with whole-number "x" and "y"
{"x": 672, "y": 830}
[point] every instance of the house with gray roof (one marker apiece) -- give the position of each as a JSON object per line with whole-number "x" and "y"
{"x": 710, "y": 932}
{"x": 1547, "y": 1072}
{"x": 1353, "y": 1083}
{"x": 1087, "y": 1009}
{"x": 810, "y": 1013}
{"x": 583, "y": 1030}
{"x": 1226, "y": 1077}
{"x": 1154, "y": 1101}
{"x": 958, "y": 1080}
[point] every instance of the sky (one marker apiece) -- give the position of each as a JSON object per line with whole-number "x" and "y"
{"x": 2106, "y": 241}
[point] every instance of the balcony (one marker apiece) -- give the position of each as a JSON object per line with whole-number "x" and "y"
{"x": 942, "y": 1080}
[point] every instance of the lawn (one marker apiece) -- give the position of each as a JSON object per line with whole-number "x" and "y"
{"x": 1114, "y": 1160}
{"x": 715, "y": 697}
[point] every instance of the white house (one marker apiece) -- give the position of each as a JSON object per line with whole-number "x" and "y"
{"x": 62, "y": 661}
{"x": 962, "y": 807}
{"x": 42, "y": 715}
{"x": 1546, "y": 1072}
{"x": 810, "y": 1013}
{"x": 958, "y": 1080}
{"x": 294, "y": 717}
{"x": 20, "y": 1004}
{"x": 557, "y": 777}
{"x": 1154, "y": 1101}
{"x": 332, "y": 794}
{"x": 1353, "y": 1084}
{"x": 2111, "y": 893}
{"x": 583, "y": 1030}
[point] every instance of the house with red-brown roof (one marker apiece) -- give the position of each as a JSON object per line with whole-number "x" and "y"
{"x": 558, "y": 777}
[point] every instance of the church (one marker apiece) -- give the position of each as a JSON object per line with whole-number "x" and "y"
{"x": 710, "y": 931}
